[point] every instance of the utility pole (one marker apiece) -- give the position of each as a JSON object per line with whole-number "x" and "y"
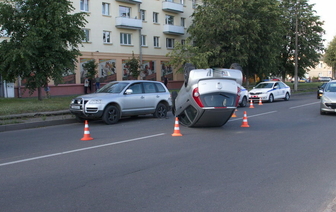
{"x": 296, "y": 49}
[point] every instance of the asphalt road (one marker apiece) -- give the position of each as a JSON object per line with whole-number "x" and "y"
{"x": 284, "y": 162}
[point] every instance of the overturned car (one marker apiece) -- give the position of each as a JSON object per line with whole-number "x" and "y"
{"x": 208, "y": 97}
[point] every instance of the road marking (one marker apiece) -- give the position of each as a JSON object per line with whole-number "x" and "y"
{"x": 304, "y": 105}
{"x": 79, "y": 150}
{"x": 260, "y": 114}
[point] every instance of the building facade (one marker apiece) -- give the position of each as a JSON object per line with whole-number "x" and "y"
{"x": 118, "y": 28}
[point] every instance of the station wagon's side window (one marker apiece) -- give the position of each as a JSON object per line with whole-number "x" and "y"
{"x": 160, "y": 88}
{"x": 149, "y": 87}
{"x": 136, "y": 88}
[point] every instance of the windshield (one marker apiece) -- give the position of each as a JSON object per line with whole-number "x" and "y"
{"x": 264, "y": 85}
{"x": 330, "y": 87}
{"x": 113, "y": 87}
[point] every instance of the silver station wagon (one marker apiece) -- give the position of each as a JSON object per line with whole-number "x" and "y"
{"x": 208, "y": 97}
{"x": 121, "y": 99}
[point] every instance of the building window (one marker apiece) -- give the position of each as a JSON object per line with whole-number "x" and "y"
{"x": 143, "y": 15}
{"x": 181, "y": 1}
{"x": 155, "y": 17}
{"x": 106, "y": 37}
{"x": 156, "y": 41}
{"x": 84, "y": 5}
{"x": 183, "y": 42}
{"x": 169, "y": 20}
{"x": 106, "y": 8}
{"x": 183, "y": 22}
{"x": 194, "y": 4}
{"x": 125, "y": 39}
{"x": 170, "y": 43}
{"x": 143, "y": 40}
{"x": 124, "y": 11}
{"x": 87, "y": 35}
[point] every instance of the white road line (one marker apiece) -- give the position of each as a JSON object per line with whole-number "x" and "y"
{"x": 260, "y": 114}
{"x": 79, "y": 150}
{"x": 304, "y": 105}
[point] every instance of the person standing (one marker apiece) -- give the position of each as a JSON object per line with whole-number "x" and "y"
{"x": 47, "y": 90}
{"x": 97, "y": 83}
{"x": 86, "y": 85}
{"x": 165, "y": 81}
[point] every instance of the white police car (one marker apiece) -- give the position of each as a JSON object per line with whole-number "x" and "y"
{"x": 270, "y": 91}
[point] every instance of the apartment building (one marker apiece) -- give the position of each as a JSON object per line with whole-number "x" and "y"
{"x": 118, "y": 28}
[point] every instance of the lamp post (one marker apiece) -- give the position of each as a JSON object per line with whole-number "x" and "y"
{"x": 296, "y": 49}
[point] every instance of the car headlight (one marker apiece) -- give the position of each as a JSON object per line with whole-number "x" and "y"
{"x": 95, "y": 101}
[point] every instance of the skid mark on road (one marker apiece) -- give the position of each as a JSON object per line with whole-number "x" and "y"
{"x": 259, "y": 114}
{"x": 304, "y": 105}
{"x": 80, "y": 150}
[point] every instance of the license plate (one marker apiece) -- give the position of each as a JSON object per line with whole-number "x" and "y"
{"x": 75, "y": 107}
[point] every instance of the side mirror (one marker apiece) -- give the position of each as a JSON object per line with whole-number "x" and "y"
{"x": 129, "y": 91}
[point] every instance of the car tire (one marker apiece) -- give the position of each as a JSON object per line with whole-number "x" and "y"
{"x": 111, "y": 114}
{"x": 287, "y": 97}
{"x": 174, "y": 95}
{"x": 160, "y": 111}
{"x": 270, "y": 98}
{"x": 243, "y": 102}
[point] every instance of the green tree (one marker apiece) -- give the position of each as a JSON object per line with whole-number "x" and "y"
{"x": 133, "y": 65}
{"x": 236, "y": 31}
{"x": 43, "y": 40}
{"x": 91, "y": 68}
{"x": 309, "y": 36}
{"x": 330, "y": 56}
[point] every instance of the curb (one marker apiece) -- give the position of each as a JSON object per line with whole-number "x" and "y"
{"x": 12, "y": 127}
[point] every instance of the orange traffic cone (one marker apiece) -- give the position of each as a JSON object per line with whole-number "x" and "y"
{"x": 245, "y": 124}
{"x": 234, "y": 113}
{"x": 260, "y": 102}
{"x": 176, "y": 128}
{"x": 251, "y": 104}
{"x": 86, "y": 136}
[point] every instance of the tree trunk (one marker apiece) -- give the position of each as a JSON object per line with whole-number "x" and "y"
{"x": 39, "y": 93}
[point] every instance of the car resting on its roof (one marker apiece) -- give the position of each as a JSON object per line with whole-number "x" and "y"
{"x": 208, "y": 97}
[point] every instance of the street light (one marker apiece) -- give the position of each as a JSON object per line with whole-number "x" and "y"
{"x": 296, "y": 49}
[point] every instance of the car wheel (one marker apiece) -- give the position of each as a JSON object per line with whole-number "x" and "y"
{"x": 174, "y": 95}
{"x": 111, "y": 114}
{"x": 160, "y": 111}
{"x": 287, "y": 97}
{"x": 243, "y": 102}
{"x": 270, "y": 98}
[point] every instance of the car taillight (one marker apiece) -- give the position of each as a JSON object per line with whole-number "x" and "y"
{"x": 197, "y": 98}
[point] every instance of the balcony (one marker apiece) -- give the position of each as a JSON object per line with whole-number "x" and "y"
{"x": 173, "y": 30}
{"x": 128, "y": 23}
{"x": 172, "y": 7}
{"x": 131, "y": 1}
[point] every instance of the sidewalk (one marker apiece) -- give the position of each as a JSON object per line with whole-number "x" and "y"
{"x": 35, "y": 120}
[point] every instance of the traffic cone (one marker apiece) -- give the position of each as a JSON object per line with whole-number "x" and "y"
{"x": 245, "y": 124}
{"x": 251, "y": 104}
{"x": 86, "y": 136}
{"x": 176, "y": 128}
{"x": 260, "y": 102}
{"x": 234, "y": 113}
